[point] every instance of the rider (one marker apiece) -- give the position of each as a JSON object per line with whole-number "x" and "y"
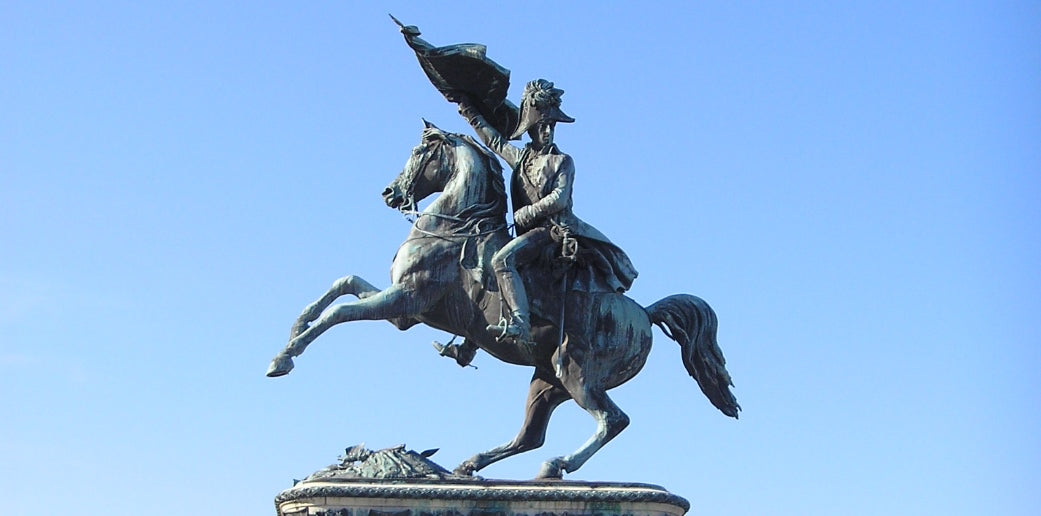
{"x": 540, "y": 188}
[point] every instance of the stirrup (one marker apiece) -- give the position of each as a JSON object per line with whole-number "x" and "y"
{"x": 513, "y": 330}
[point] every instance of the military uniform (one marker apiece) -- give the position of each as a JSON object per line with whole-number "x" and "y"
{"x": 540, "y": 190}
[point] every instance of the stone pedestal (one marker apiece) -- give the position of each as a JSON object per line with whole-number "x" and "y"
{"x": 453, "y": 497}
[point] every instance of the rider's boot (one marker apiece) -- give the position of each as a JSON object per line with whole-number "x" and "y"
{"x": 462, "y": 353}
{"x": 518, "y": 328}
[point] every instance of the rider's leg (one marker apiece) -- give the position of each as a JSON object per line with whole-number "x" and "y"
{"x": 512, "y": 288}
{"x": 519, "y": 251}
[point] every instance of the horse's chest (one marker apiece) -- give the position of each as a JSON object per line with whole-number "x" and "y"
{"x": 423, "y": 258}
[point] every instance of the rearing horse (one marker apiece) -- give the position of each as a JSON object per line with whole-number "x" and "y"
{"x": 438, "y": 279}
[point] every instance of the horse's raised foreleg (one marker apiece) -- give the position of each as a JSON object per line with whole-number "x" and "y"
{"x": 394, "y": 302}
{"x": 543, "y": 397}
{"x": 352, "y": 285}
{"x": 610, "y": 421}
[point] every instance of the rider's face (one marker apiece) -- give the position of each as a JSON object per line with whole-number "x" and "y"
{"x": 542, "y": 134}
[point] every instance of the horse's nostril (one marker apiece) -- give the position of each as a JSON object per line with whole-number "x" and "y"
{"x": 387, "y": 191}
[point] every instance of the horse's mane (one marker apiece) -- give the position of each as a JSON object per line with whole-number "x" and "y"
{"x": 497, "y": 207}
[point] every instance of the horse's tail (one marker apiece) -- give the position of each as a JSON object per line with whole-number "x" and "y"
{"x": 691, "y": 322}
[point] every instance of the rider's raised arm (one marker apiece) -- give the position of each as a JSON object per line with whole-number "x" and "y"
{"x": 490, "y": 136}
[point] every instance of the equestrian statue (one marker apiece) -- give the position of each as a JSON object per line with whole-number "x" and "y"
{"x": 551, "y": 297}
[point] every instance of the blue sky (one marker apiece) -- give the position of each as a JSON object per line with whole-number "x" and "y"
{"x": 854, "y": 188}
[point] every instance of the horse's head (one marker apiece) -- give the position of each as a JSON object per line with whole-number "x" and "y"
{"x": 427, "y": 170}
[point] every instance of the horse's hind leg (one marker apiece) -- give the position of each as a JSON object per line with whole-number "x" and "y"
{"x": 346, "y": 285}
{"x": 543, "y": 397}
{"x": 392, "y": 303}
{"x": 610, "y": 421}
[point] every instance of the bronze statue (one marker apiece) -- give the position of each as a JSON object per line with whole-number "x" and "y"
{"x": 540, "y": 188}
{"x": 562, "y": 308}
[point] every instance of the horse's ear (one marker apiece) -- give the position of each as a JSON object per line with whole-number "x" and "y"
{"x": 429, "y": 125}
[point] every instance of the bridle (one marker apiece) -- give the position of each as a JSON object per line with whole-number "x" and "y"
{"x": 409, "y": 206}
{"x": 446, "y": 161}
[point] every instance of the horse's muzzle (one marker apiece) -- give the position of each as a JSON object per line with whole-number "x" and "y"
{"x": 393, "y": 197}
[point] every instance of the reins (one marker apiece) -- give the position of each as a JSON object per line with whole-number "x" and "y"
{"x": 465, "y": 233}
{"x": 470, "y": 226}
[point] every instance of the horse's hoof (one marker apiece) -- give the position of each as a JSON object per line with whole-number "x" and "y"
{"x": 280, "y": 366}
{"x": 465, "y": 469}
{"x": 551, "y": 470}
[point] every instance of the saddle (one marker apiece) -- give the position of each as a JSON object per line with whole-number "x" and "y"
{"x": 563, "y": 269}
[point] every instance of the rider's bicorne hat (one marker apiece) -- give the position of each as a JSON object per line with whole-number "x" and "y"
{"x": 540, "y": 103}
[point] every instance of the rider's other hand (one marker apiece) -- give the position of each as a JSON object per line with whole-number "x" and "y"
{"x": 524, "y": 217}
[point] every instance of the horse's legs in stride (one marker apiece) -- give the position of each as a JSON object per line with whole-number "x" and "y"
{"x": 610, "y": 421}
{"x": 543, "y": 398}
{"x": 341, "y": 287}
{"x": 394, "y": 302}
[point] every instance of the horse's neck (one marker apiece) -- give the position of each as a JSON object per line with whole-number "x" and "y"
{"x": 465, "y": 189}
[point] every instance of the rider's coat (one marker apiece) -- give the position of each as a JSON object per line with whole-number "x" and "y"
{"x": 541, "y": 185}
